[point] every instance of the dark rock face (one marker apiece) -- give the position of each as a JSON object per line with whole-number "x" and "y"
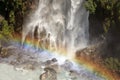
{"x": 93, "y": 49}
{"x": 1, "y": 18}
{"x": 113, "y": 42}
{"x": 49, "y": 74}
{"x": 96, "y": 32}
{"x": 95, "y": 28}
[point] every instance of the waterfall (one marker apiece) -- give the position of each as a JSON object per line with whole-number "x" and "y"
{"x": 63, "y": 22}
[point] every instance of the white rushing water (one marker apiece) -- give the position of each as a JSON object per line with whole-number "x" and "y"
{"x": 64, "y": 22}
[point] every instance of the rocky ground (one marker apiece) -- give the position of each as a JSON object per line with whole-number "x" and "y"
{"x": 28, "y": 64}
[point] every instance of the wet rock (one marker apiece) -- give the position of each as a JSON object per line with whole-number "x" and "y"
{"x": 4, "y": 52}
{"x": 67, "y": 65}
{"x": 73, "y": 75}
{"x": 31, "y": 65}
{"x": 55, "y": 67}
{"x": 54, "y": 60}
{"x": 90, "y": 50}
{"x": 50, "y": 62}
{"x": 49, "y": 74}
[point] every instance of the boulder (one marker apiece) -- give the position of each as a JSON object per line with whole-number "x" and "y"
{"x": 73, "y": 75}
{"x": 91, "y": 50}
{"x": 51, "y": 64}
{"x": 4, "y": 51}
{"x": 67, "y": 65}
{"x": 49, "y": 74}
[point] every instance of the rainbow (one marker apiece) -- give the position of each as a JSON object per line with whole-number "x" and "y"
{"x": 88, "y": 64}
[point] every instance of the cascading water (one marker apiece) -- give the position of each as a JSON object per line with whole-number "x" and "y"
{"x": 64, "y": 22}
{"x": 58, "y": 24}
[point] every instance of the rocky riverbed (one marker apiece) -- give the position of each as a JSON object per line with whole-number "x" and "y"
{"x": 29, "y": 64}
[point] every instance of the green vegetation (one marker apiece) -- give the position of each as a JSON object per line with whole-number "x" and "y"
{"x": 6, "y": 29}
{"x": 12, "y": 12}
{"x": 108, "y": 10}
{"x": 91, "y": 6}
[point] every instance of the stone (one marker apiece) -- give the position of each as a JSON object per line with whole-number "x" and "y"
{"x": 50, "y": 62}
{"x": 4, "y": 52}
{"x": 49, "y": 74}
{"x": 54, "y": 60}
{"x": 73, "y": 75}
{"x": 67, "y": 65}
{"x": 90, "y": 50}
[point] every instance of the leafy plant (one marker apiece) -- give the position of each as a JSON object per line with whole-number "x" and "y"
{"x": 90, "y": 5}
{"x": 6, "y": 29}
